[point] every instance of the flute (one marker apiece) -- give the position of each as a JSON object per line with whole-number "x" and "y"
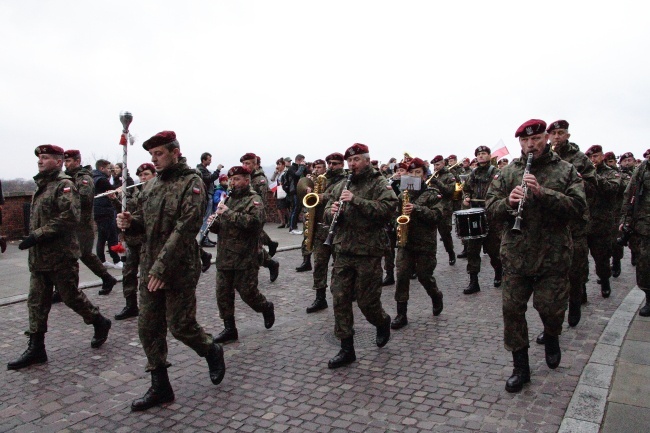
{"x": 114, "y": 191}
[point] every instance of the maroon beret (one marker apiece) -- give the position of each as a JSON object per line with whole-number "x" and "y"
{"x": 356, "y": 149}
{"x": 145, "y": 166}
{"x": 594, "y": 149}
{"x": 318, "y": 161}
{"x": 451, "y": 157}
{"x": 474, "y": 161}
{"x": 558, "y": 124}
{"x": 609, "y": 155}
{"x": 437, "y": 158}
{"x": 531, "y": 127}
{"x": 415, "y": 163}
{"x": 259, "y": 160}
{"x": 223, "y": 177}
{"x": 646, "y": 153}
{"x": 238, "y": 169}
{"x": 161, "y": 139}
{"x": 482, "y": 149}
{"x": 374, "y": 162}
{"x": 336, "y": 156}
{"x": 403, "y": 165}
{"x": 466, "y": 159}
{"x": 247, "y": 156}
{"x": 503, "y": 160}
{"x": 72, "y": 154}
{"x": 626, "y": 155}
{"x": 48, "y": 149}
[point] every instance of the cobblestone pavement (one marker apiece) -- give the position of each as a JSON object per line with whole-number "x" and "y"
{"x": 443, "y": 373}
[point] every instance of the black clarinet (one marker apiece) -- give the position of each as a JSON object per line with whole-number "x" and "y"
{"x": 332, "y": 232}
{"x": 517, "y": 227}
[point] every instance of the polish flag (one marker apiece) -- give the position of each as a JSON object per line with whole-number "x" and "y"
{"x": 500, "y": 152}
{"x": 273, "y": 186}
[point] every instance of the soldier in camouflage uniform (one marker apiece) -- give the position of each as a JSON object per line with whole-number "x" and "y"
{"x": 359, "y": 244}
{"x": 626, "y": 175}
{"x": 173, "y": 205}
{"x": 602, "y": 217}
{"x": 536, "y": 260}
{"x": 474, "y": 192}
{"x": 389, "y": 256}
{"x": 426, "y": 209}
{"x": 445, "y": 182}
{"x": 636, "y": 221}
{"x": 260, "y": 184}
{"x": 53, "y": 254}
{"x": 239, "y": 224}
{"x": 83, "y": 180}
{"x": 320, "y": 251}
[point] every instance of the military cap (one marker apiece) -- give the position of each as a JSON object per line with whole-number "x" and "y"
{"x": 646, "y": 153}
{"x": 404, "y": 165}
{"x": 415, "y": 163}
{"x": 223, "y": 177}
{"x": 594, "y": 149}
{"x": 558, "y": 124}
{"x": 374, "y": 162}
{"x": 531, "y": 127}
{"x": 626, "y": 155}
{"x": 466, "y": 159}
{"x": 356, "y": 149}
{"x": 318, "y": 161}
{"x": 259, "y": 160}
{"x": 504, "y": 160}
{"x": 72, "y": 154}
{"x": 287, "y": 160}
{"x": 482, "y": 149}
{"x": 161, "y": 139}
{"x": 452, "y": 157}
{"x": 609, "y": 155}
{"x": 437, "y": 158}
{"x": 474, "y": 161}
{"x": 238, "y": 169}
{"x": 336, "y": 156}
{"x": 247, "y": 156}
{"x": 48, "y": 149}
{"x": 145, "y": 166}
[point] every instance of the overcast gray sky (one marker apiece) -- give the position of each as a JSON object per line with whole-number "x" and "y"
{"x": 284, "y": 77}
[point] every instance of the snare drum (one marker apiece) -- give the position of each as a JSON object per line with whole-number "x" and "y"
{"x": 471, "y": 223}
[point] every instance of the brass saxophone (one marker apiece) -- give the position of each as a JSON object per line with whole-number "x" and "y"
{"x": 403, "y": 223}
{"x": 310, "y": 201}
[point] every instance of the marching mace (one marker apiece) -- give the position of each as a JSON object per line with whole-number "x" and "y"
{"x": 125, "y": 118}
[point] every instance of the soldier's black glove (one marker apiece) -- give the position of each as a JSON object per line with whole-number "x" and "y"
{"x": 27, "y": 243}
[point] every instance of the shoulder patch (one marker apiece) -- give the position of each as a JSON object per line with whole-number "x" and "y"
{"x": 84, "y": 181}
{"x": 439, "y": 196}
{"x": 617, "y": 175}
{"x": 256, "y": 203}
{"x": 67, "y": 189}
{"x": 262, "y": 180}
{"x": 579, "y": 175}
{"x": 196, "y": 190}
{"x": 496, "y": 176}
{"x": 389, "y": 187}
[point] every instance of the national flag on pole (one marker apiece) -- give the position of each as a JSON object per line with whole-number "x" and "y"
{"x": 501, "y": 151}
{"x": 273, "y": 186}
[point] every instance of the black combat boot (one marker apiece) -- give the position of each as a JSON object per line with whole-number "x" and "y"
{"x": 56, "y": 297}
{"x": 645, "y": 310}
{"x": 130, "y": 310}
{"x": 605, "y": 288}
{"x": 452, "y": 258}
{"x": 229, "y": 332}
{"x": 520, "y": 372}
{"x": 206, "y": 261}
{"x": 273, "y": 247}
{"x": 383, "y": 333}
{"x": 35, "y": 353}
{"x": 160, "y": 392}
{"x": 473, "y": 286}
{"x": 400, "y": 320}
{"x": 108, "y": 282}
{"x": 390, "y": 278}
{"x": 463, "y": 254}
{"x": 552, "y": 351}
{"x": 207, "y": 243}
{"x": 436, "y": 302}
{"x": 498, "y": 276}
{"x": 102, "y": 325}
{"x": 345, "y": 356}
{"x": 616, "y": 267}
{"x": 216, "y": 364}
{"x": 540, "y": 338}
{"x": 574, "y": 313}
{"x": 274, "y": 270}
{"x": 269, "y": 315}
{"x": 320, "y": 303}
{"x": 306, "y": 264}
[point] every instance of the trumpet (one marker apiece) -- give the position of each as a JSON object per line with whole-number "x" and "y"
{"x": 403, "y": 222}
{"x": 517, "y": 226}
{"x": 437, "y": 173}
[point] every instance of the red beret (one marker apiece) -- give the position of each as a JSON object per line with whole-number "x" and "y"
{"x": 452, "y": 157}
{"x": 318, "y": 161}
{"x": 415, "y": 163}
{"x": 531, "y": 127}
{"x": 466, "y": 159}
{"x": 503, "y": 160}
{"x": 646, "y": 153}
{"x": 356, "y": 149}
{"x": 247, "y": 156}
{"x": 145, "y": 166}
{"x": 403, "y": 165}
{"x": 374, "y": 162}
{"x": 626, "y": 155}
{"x": 474, "y": 161}
{"x": 594, "y": 149}
{"x": 609, "y": 155}
{"x": 160, "y": 139}
{"x": 238, "y": 169}
{"x": 558, "y": 124}
{"x": 482, "y": 149}
{"x": 48, "y": 149}
{"x": 437, "y": 158}
{"x": 336, "y": 156}
{"x": 72, "y": 154}
{"x": 223, "y": 177}
{"x": 259, "y": 160}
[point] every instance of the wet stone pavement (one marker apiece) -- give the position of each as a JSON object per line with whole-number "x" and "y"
{"x": 443, "y": 373}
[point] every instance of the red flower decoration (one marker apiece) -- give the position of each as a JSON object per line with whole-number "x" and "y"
{"x": 119, "y": 249}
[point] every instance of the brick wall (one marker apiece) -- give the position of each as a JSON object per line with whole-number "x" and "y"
{"x": 13, "y": 216}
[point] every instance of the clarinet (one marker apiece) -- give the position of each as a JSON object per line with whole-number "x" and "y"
{"x": 332, "y": 232}
{"x": 205, "y": 232}
{"x": 517, "y": 227}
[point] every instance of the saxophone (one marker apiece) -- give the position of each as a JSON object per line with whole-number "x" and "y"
{"x": 310, "y": 201}
{"x": 403, "y": 222}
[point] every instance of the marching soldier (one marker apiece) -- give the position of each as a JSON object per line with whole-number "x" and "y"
{"x": 445, "y": 183}
{"x": 401, "y": 169}
{"x": 366, "y": 205}
{"x": 170, "y": 217}
{"x": 458, "y": 171}
{"x": 53, "y": 253}
{"x": 537, "y": 258}
{"x": 474, "y": 192}
{"x": 425, "y": 209}
{"x": 617, "y": 250}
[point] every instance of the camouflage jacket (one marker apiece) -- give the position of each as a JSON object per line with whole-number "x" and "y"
{"x": 260, "y": 184}
{"x": 83, "y": 180}
{"x": 133, "y": 204}
{"x": 602, "y": 211}
{"x": 626, "y": 175}
{"x": 239, "y": 229}
{"x": 570, "y": 152}
{"x": 360, "y": 227}
{"x": 52, "y": 220}
{"x": 173, "y": 206}
{"x": 445, "y": 183}
{"x": 544, "y": 246}
{"x": 333, "y": 179}
{"x": 428, "y": 210}
{"x": 478, "y": 182}
{"x": 639, "y": 220}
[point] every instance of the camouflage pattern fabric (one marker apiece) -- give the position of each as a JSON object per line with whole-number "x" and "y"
{"x": 445, "y": 183}
{"x": 245, "y": 283}
{"x": 423, "y": 264}
{"x": 617, "y": 250}
{"x": 86, "y": 239}
{"x": 640, "y": 223}
{"x": 491, "y": 244}
{"x": 579, "y": 270}
{"x": 130, "y": 272}
{"x": 321, "y": 254}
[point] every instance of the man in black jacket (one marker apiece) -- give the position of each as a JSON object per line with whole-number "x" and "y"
{"x": 294, "y": 173}
{"x": 208, "y": 180}
{"x": 104, "y": 214}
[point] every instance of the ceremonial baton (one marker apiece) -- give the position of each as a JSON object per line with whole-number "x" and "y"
{"x": 125, "y": 118}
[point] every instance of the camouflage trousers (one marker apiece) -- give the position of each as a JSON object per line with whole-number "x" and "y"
{"x": 550, "y": 297}
{"x": 617, "y": 250}
{"x": 173, "y": 307}
{"x": 444, "y": 228}
{"x": 579, "y": 270}
{"x": 492, "y": 245}
{"x": 265, "y": 258}
{"x": 86, "y": 239}
{"x": 389, "y": 254}
{"x": 39, "y": 300}
{"x": 423, "y": 264}
{"x": 130, "y": 271}
{"x": 356, "y": 277}
{"x": 266, "y": 239}
{"x": 600, "y": 246}
{"x": 640, "y": 246}
{"x": 321, "y": 255}
{"x": 243, "y": 281}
